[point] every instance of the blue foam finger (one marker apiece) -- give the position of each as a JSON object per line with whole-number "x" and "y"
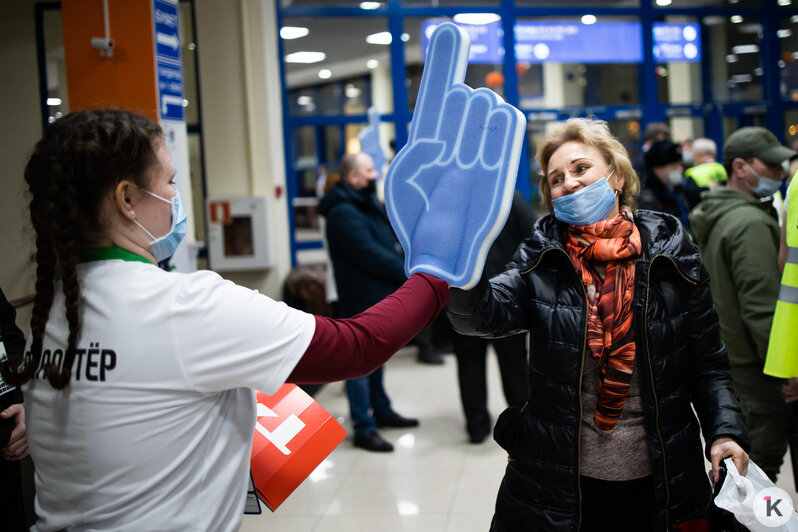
{"x": 369, "y": 138}
{"x": 448, "y": 191}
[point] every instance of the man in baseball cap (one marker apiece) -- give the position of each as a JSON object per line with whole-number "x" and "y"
{"x": 755, "y": 142}
{"x": 737, "y": 230}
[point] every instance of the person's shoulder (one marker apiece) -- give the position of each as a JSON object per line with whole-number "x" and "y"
{"x": 664, "y": 234}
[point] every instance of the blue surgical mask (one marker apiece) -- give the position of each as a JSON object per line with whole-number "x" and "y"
{"x": 766, "y": 187}
{"x": 588, "y": 205}
{"x": 165, "y": 246}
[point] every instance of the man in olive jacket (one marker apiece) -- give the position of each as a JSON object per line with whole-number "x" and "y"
{"x": 737, "y": 230}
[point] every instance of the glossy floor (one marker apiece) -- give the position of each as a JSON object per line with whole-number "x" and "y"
{"x": 434, "y": 481}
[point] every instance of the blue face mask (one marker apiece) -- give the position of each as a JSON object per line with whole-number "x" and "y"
{"x": 766, "y": 187}
{"x": 165, "y": 246}
{"x": 586, "y": 206}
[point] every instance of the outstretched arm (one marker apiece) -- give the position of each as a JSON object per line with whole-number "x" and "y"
{"x": 353, "y": 347}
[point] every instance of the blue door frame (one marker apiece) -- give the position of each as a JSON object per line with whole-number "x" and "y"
{"x": 768, "y": 12}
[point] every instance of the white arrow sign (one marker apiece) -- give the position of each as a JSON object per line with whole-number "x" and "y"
{"x": 168, "y": 40}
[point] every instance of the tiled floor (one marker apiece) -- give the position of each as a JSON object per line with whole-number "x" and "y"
{"x": 434, "y": 481}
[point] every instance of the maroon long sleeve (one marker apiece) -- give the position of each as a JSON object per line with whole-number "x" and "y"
{"x": 348, "y": 348}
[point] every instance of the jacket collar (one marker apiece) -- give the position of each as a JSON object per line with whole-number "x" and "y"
{"x": 661, "y": 235}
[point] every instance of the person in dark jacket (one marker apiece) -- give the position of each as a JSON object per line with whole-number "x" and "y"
{"x": 13, "y": 437}
{"x": 368, "y": 265}
{"x": 624, "y": 346}
{"x": 663, "y": 190}
{"x": 471, "y": 352}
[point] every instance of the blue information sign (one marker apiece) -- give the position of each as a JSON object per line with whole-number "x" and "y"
{"x": 574, "y": 42}
{"x": 677, "y": 42}
{"x": 167, "y": 59}
{"x": 167, "y": 39}
{"x": 170, "y": 91}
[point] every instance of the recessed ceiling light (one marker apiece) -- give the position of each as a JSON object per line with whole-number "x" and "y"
{"x": 663, "y": 3}
{"x": 53, "y": 101}
{"x": 785, "y": 2}
{"x": 736, "y": 19}
{"x": 383, "y": 37}
{"x": 476, "y": 18}
{"x": 370, "y": 5}
{"x": 589, "y": 19}
{"x": 293, "y": 32}
{"x": 305, "y": 57}
{"x": 372, "y": 63}
{"x": 783, "y": 34}
{"x": 325, "y": 73}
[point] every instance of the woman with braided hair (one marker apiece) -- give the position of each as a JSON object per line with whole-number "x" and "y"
{"x": 624, "y": 344}
{"x": 139, "y": 383}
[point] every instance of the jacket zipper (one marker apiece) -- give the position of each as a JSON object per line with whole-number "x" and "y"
{"x": 651, "y": 377}
{"x": 578, "y": 391}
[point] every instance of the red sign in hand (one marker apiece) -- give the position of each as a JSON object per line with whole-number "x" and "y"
{"x": 293, "y": 435}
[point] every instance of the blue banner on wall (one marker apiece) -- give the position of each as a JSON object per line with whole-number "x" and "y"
{"x": 574, "y": 42}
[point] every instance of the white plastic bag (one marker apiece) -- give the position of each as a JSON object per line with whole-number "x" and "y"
{"x": 760, "y": 512}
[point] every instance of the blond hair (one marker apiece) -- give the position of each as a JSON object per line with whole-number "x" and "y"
{"x": 594, "y": 133}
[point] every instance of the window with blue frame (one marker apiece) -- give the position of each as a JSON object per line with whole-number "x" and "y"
{"x": 706, "y": 67}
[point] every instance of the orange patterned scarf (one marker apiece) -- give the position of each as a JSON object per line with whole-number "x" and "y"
{"x": 610, "y": 336}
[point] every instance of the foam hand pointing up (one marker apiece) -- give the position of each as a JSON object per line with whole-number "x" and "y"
{"x": 449, "y": 190}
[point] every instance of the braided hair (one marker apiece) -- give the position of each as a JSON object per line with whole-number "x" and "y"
{"x": 79, "y": 161}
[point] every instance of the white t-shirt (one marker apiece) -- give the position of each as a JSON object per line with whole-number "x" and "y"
{"x": 154, "y": 431}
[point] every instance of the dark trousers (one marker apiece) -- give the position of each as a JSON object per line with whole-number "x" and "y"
{"x": 11, "y": 501}
{"x": 471, "y": 355}
{"x": 767, "y": 418}
{"x": 367, "y": 401}
{"x": 617, "y": 506}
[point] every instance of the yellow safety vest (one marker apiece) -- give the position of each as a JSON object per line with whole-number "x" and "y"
{"x": 705, "y": 173}
{"x": 782, "y": 357}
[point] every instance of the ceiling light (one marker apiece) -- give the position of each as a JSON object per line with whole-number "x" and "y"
{"x": 405, "y": 37}
{"x": 664, "y": 3}
{"x": 325, "y": 73}
{"x": 785, "y": 2}
{"x": 372, "y": 63}
{"x": 304, "y": 100}
{"x": 794, "y": 19}
{"x": 383, "y": 37}
{"x": 370, "y": 5}
{"x": 293, "y": 32}
{"x": 736, "y": 19}
{"x": 589, "y": 19}
{"x": 783, "y": 34}
{"x": 476, "y": 19}
{"x": 731, "y": 58}
{"x": 53, "y": 101}
{"x": 745, "y": 49}
{"x": 305, "y": 57}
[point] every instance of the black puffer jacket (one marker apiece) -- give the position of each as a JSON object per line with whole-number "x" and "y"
{"x": 679, "y": 356}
